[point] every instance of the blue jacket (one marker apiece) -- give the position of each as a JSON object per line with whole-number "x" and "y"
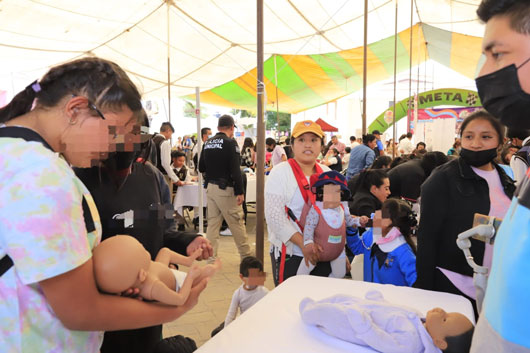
{"x": 361, "y": 157}
{"x": 399, "y": 269}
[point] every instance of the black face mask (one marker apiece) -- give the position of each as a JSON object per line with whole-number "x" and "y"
{"x": 502, "y": 96}
{"x": 478, "y": 158}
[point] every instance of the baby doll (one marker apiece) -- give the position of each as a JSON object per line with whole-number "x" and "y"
{"x": 326, "y": 221}
{"x": 386, "y": 327}
{"x": 389, "y": 252}
{"x": 121, "y": 262}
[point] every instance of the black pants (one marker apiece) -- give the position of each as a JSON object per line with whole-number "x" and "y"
{"x": 322, "y": 269}
{"x": 141, "y": 340}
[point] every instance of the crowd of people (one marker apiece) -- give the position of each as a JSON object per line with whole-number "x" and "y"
{"x": 78, "y": 169}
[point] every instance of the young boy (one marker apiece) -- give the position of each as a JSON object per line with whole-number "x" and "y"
{"x": 249, "y": 293}
{"x": 252, "y": 289}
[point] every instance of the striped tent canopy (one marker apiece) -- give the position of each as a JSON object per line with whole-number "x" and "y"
{"x": 313, "y": 48}
{"x": 306, "y": 81}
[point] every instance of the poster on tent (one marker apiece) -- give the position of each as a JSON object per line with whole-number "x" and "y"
{"x": 439, "y": 127}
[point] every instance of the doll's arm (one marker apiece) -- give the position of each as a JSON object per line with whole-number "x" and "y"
{"x": 167, "y": 257}
{"x": 79, "y": 305}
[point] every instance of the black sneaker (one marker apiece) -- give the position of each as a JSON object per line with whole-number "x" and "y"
{"x": 181, "y": 228}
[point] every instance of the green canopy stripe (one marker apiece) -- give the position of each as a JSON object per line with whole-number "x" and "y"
{"x": 339, "y": 71}
{"x": 232, "y": 92}
{"x": 290, "y": 83}
{"x": 384, "y": 50}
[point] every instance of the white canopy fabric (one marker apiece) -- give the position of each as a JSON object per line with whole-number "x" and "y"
{"x": 212, "y": 41}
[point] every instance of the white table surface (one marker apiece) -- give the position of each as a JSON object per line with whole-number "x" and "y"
{"x": 188, "y": 195}
{"x": 274, "y": 323}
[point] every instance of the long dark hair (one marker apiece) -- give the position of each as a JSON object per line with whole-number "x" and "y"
{"x": 101, "y": 81}
{"x": 370, "y": 177}
{"x": 247, "y": 143}
{"x": 402, "y": 218}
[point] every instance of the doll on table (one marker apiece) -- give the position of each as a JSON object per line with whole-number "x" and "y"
{"x": 121, "y": 262}
{"x": 326, "y": 221}
{"x": 386, "y": 327}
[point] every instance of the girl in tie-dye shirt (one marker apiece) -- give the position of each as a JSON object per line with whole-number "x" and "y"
{"x": 48, "y": 223}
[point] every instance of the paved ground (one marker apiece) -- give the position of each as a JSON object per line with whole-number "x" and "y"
{"x": 213, "y": 304}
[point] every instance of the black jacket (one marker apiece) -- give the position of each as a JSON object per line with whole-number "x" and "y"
{"x": 406, "y": 179}
{"x": 449, "y": 199}
{"x": 364, "y": 203}
{"x": 147, "y": 195}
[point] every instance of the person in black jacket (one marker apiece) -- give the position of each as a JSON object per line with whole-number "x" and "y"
{"x": 451, "y": 196}
{"x": 133, "y": 198}
{"x": 406, "y": 178}
{"x": 372, "y": 190}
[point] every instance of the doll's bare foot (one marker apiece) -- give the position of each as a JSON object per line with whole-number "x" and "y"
{"x": 194, "y": 272}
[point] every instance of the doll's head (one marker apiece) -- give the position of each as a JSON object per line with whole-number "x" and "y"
{"x": 331, "y": 188}
{"x": 251, "y": 272}
{"x": 120, "y": 263}
{"x": 451, "y": 332}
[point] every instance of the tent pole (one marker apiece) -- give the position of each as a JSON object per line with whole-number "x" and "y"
{"x": 199, "y": 150}
{"x": 395, "y": 74}
{"x": 410, "y": 64}
{"x": 419, "y": 60}
{"x": 168, "y": 63}
{"x": 277, "y": 107}
{"x": 260, "y": 174}
{"x": 425, "y": 70}
{"x": 365, "y": 64}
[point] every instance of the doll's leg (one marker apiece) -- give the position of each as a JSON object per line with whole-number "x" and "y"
{"x": 338, "y": 266}
{"x": 208, "y": 271}
{"x": 303, "y": 269}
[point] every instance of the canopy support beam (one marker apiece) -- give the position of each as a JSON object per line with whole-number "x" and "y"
{"x": 168, "y": 5}
{"x": 365, "y": 63}
{"x": 260, "y": 170}
{"x": 394, "y": 128}
{"x": 199, "y": 150}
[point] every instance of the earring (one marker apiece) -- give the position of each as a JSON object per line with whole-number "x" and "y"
{"x": 72, "y": 121}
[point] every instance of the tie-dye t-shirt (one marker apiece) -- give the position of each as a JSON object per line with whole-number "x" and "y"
{"x": 43, "y": 230}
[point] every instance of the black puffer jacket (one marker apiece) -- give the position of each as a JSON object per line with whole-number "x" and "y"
{"x": 449, "y": 199}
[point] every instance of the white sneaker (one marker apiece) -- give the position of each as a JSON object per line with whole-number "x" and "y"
{"x": 226, "y": 232}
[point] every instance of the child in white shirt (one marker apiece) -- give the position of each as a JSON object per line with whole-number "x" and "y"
{"x": 249, "y": 293}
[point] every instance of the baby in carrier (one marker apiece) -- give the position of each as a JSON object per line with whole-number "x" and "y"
{"x": 326, "y": 221}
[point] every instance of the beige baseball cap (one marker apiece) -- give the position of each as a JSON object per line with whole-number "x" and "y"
{"x": 302, "y": 127}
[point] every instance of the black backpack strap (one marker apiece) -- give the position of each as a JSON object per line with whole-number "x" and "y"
{"x": 23, "y": 133}
{"x": 5, "y": 264}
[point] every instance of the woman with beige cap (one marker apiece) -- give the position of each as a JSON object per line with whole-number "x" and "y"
{"x": 287, "y": 195}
